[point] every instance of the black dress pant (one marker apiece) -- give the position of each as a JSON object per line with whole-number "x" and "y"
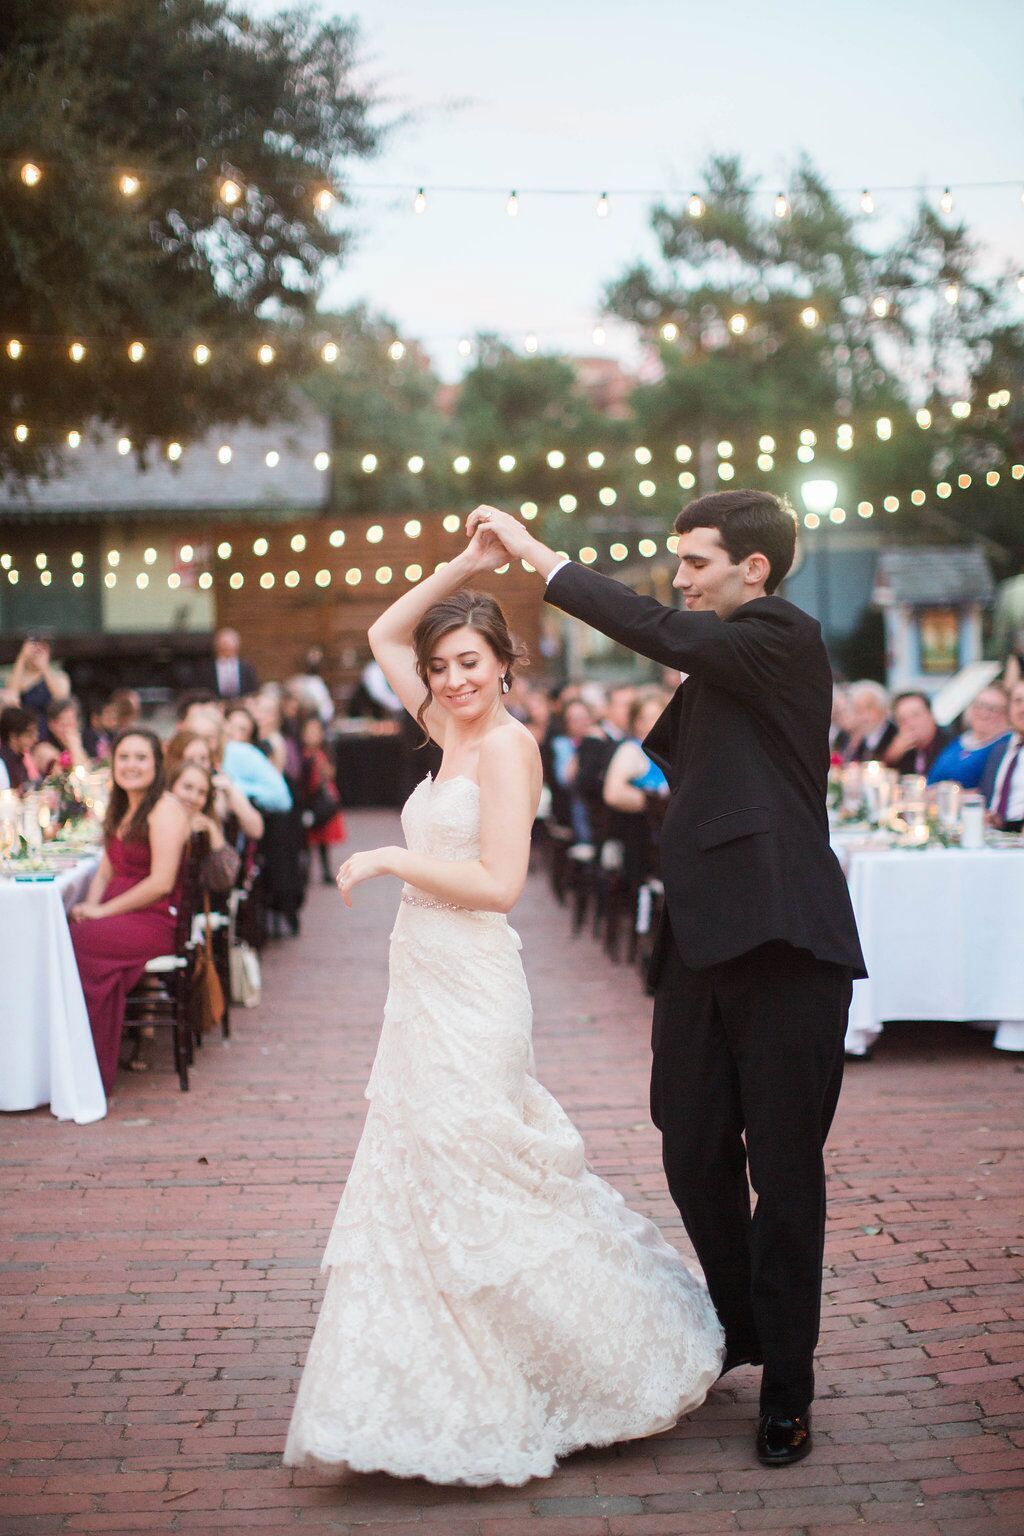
{"x": 753, "y": 1046}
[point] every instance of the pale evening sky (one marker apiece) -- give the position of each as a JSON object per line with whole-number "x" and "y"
{"x": 600, "y": 93}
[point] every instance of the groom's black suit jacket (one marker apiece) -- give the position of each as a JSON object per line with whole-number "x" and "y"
{"x": 744, "y": 745}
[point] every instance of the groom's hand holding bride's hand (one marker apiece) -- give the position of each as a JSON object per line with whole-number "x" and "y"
{"x": 517, "y": 541}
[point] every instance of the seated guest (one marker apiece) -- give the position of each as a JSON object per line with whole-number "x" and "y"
{"x": 240, "y": 724}
{"x": 128, "y": 917}
{"x": 964, "y": 760}
{"x": 919, "y": 738}
{"x": 872, "y": 730}
{"x": 631, "y": 775}
{"x": 1002, "y": 782}
{"x": 18, "y": 735}
{"x": 631, "y": 778}
{"x": 44, "y": 760}
{"x": 240, "y": 760}
{"x": 310, "y": 688}
{"x": 64, "y": 731}
{"x": 219, "y": 862}
{"x": 570, "y": 806}
{"x": 114, "y": 714}
{"x": 230, "y": 804}
{"x": 618, "y": 707}
{"x": 841, "y": 727}
{"x": 35, "y": 681}
{"x": 318, "y": 780}
{"x": 282, "y": 750}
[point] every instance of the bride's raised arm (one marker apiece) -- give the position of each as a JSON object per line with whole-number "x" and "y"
{"x": 390, "y": 636}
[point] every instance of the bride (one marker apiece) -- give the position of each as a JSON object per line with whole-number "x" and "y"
{"x": 491, "y": 1304}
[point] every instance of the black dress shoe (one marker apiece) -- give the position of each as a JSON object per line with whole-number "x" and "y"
{"x": 782, "y": 1440}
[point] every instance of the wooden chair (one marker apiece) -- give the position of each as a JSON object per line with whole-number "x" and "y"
{"x": 162, "y": 997}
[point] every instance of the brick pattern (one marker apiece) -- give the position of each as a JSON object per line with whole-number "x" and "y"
{"x": 160, "y": 1279}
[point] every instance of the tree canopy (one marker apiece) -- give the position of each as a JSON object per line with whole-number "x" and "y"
{"x": 179, "y": 94}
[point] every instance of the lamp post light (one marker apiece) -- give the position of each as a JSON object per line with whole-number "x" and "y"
{"x": 819, "y": 497}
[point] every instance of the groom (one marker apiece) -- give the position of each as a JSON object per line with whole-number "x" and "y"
{"x": 755, "y": 957}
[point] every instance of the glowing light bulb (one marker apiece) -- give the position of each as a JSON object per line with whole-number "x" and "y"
{"x": 174, "y": 452}
{"x": 642, "y": 455}
{"x": 201, "y": 354}
{"x": 725, "y": 449}
{"x": 867, "y": 202}
{"x": 419, "y": 202}
{"x": 21, "y": 432}
{"x": 780, "y": 207}
{"x": 368, "y": 463}
{"x": 30, "y": 173}
{"x": 618, "y": 551}
{"x": 324, "y": 200}
{"x": 880, "y": 307}
{"x": 507, "y": 463}
{"x": 136, "y": 352}
{"x": 568, "y": 503}
{"x": 149, "y": 556}
{"x": 512, "y": 206}
{"x": 329, "y": 351}
{"x": 461, "y": 464}
{"x": 530, "y": 344}
{"x": 598, "y": 336}
{"x": 809, "y": 317}
{"x": 683, "y": 454}
{"x": 224, "y": 454}
{"x": 696, "y": 207}
{"x": 556, "y": 458}
{"x": 260, "y": 547}
{"x": 298, "y": 542}
{"x": 808, "y": 437}
{"x": 14, "y": 348}
{"x": 415, "y": 464}
{"x": 669, "y": 331}
{"x": 321, "y": 461}
{"x": 946, "y": 201}
{"x": 322, "y": 578}
{"x": 413, "y": 528}
{"x": 336, "y": 538}
{"x": 224, "y": 550}
{"x": 374, "y": 533}
{"x": 951, "y": 293}
{"x": 291, "y": 579}
{"x": 924, "y": 418}
{"x": 765, "y": 462}
{"x": 266, "y": 354}
{"x": 74, "y": 439}
{"x": 124, "y": 446}
{"x": 230, "y": 191}
{"x": 396, "y": 351}
{"x": 883, "y": 428}
{"x": 76, "y": 351}
{"x": 452, "y": 523}
{"x": 603, "y": 206}
{"x": 128, "y": 184}
{"x": 272, "y": 459}
{"x": 186, "y": 553}
{"x": 738, "y": 324}
{"x": 647, "y": 487}
{"x": 961, "y": 409}
{"x": 595, "y": 459}
{"x": 464, "y": 347}
{"x": 607, "y": 496}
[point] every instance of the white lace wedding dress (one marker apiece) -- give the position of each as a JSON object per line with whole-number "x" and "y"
{"x": 491, "y": 1304}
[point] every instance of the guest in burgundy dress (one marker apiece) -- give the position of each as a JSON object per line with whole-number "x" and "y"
{"x": 127, "y": 917}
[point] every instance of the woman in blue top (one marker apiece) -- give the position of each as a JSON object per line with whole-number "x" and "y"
{"x": 964, "y": 760}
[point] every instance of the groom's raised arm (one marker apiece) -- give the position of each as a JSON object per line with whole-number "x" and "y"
{"x": 744, "y": 654}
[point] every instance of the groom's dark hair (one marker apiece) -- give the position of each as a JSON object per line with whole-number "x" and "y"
{"x": 748, "y": 523}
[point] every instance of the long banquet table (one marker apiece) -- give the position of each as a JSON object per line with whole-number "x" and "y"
{"x": 940, "y": 928}
{"x": 46, "y": 1049}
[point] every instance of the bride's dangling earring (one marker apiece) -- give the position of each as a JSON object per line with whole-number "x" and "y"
{"x": 505, "y": 684}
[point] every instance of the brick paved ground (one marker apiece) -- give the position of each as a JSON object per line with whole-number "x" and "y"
{"x": 161, "y": 1278}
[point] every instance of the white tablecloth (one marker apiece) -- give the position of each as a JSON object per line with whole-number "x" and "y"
{"x": 940, "y": 928}
{"x": 46, "y": 1049}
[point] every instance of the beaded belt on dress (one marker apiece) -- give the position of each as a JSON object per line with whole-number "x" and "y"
{"x": 415, "y": 900}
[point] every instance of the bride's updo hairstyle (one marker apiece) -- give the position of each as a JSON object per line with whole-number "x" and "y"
{"x": 471, "y": 610}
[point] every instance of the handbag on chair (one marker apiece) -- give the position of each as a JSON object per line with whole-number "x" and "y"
{"x": 208, "y": 990}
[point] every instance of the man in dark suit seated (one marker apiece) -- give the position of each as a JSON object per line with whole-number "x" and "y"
{"x": 755, "y": 957}
{"x": 1002, "y": 783}
{"x": 226, "y": 675}
{"x": 873, "y": 731}
{"x": 919, "y": 737}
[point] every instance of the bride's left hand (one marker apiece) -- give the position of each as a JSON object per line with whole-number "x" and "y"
{"x": 360, "y": 867}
